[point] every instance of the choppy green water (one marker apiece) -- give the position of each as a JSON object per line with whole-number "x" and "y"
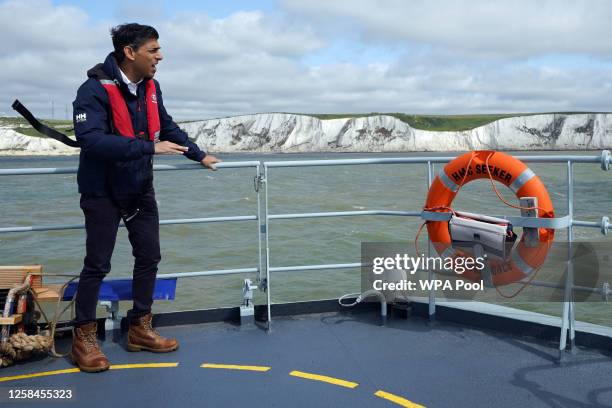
{"x": 53, "y": 199}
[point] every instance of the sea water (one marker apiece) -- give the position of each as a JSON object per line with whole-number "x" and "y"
{"x": 53, "y": 199}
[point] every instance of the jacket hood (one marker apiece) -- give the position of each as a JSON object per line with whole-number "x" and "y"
{"x": 109, "y": 69}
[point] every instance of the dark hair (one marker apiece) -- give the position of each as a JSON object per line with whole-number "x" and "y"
{"x": 133, "y": 35}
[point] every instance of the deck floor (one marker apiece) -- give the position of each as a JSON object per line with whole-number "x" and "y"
{"x": 407, "y": 361}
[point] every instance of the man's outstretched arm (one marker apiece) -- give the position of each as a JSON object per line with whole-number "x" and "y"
{"x": 170, "y": 131}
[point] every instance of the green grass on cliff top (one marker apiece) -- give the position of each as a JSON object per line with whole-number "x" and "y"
{"x": 22, "y": 126}
{"x": 443, "y": 123}
{"x": 431, "y": 122}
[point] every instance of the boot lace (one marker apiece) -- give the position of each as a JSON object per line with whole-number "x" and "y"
{"x": 148, "y": 326}
{"x": 90, "y": 341}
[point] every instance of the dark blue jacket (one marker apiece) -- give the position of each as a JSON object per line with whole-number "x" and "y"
{"x": 111, "y": 164}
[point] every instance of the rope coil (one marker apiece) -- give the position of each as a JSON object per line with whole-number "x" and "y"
{"x": 21, "y": 346}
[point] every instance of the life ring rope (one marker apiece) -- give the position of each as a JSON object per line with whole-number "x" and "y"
{"x": 499, "y": 195}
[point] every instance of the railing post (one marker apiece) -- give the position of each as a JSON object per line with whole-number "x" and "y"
{"x": 257, "y": 184}
{"x": 568, "y": 316}
{"x": 266, "y": 231}
{"x": 432, "y": 294}
{"x": 260, "y": 223}
{"x": 572, "y": 304}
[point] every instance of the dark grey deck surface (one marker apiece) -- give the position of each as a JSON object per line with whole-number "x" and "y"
{"x": 441, "y": 365}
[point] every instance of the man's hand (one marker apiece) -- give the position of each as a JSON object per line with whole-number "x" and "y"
{"x": 169, "y": 148}
{"x": 209, "y": 162}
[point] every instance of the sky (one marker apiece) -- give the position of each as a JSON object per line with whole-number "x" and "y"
{"x": 313, "y": 56}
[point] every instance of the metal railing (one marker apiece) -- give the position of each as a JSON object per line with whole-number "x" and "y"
{"x": 264, "y": 218}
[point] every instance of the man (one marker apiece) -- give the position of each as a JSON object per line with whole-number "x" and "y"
{"x": 120, "y": 122}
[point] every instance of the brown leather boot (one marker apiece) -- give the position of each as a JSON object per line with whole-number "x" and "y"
{"x": 86, "y": 353}
{"x": 141, "y": 336}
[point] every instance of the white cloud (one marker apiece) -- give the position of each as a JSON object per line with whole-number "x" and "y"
{"x": 254, "y": 61}
{"x": 44, "y": 52}
{"x": 508, "y": 29}
{"x": 38, "y": 25}
{"x": 242, "y": 32}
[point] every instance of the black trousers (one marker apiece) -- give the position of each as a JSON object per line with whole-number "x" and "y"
{"x": 102, "y": 217}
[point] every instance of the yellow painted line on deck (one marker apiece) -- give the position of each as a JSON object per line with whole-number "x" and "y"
{"x": 401, "y": 401}
{"x": 42, "y": 374}
{"x": 235, "y": 367}
{"x": 145, "y": 365}
{"x": 76, "y": 370}
{"x": 324, "y": 378}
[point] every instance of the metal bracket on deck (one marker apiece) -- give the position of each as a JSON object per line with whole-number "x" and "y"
{"x": 247, "y": 309}
{"x": 113, "y": 320}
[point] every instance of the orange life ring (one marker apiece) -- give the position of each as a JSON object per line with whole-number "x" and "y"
{"x": 525, "y": 259}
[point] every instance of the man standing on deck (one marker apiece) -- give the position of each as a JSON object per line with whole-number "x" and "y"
{"x": 120, "y": 122}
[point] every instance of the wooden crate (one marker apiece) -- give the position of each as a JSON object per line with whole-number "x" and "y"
{"x": 14, "y": 319}
{"x": 15, "y": 275}
{"x": 47, "y": 293}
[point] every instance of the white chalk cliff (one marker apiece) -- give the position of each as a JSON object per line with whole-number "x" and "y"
{"x": 16, "y": 144}
{"x": 282, "y": 132}
{"x": 299, "y": 133}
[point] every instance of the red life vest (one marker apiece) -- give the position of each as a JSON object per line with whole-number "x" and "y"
{"x": 121, "y": 116}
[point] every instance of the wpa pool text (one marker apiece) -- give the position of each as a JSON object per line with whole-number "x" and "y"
{"x": 434, "y": 284}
